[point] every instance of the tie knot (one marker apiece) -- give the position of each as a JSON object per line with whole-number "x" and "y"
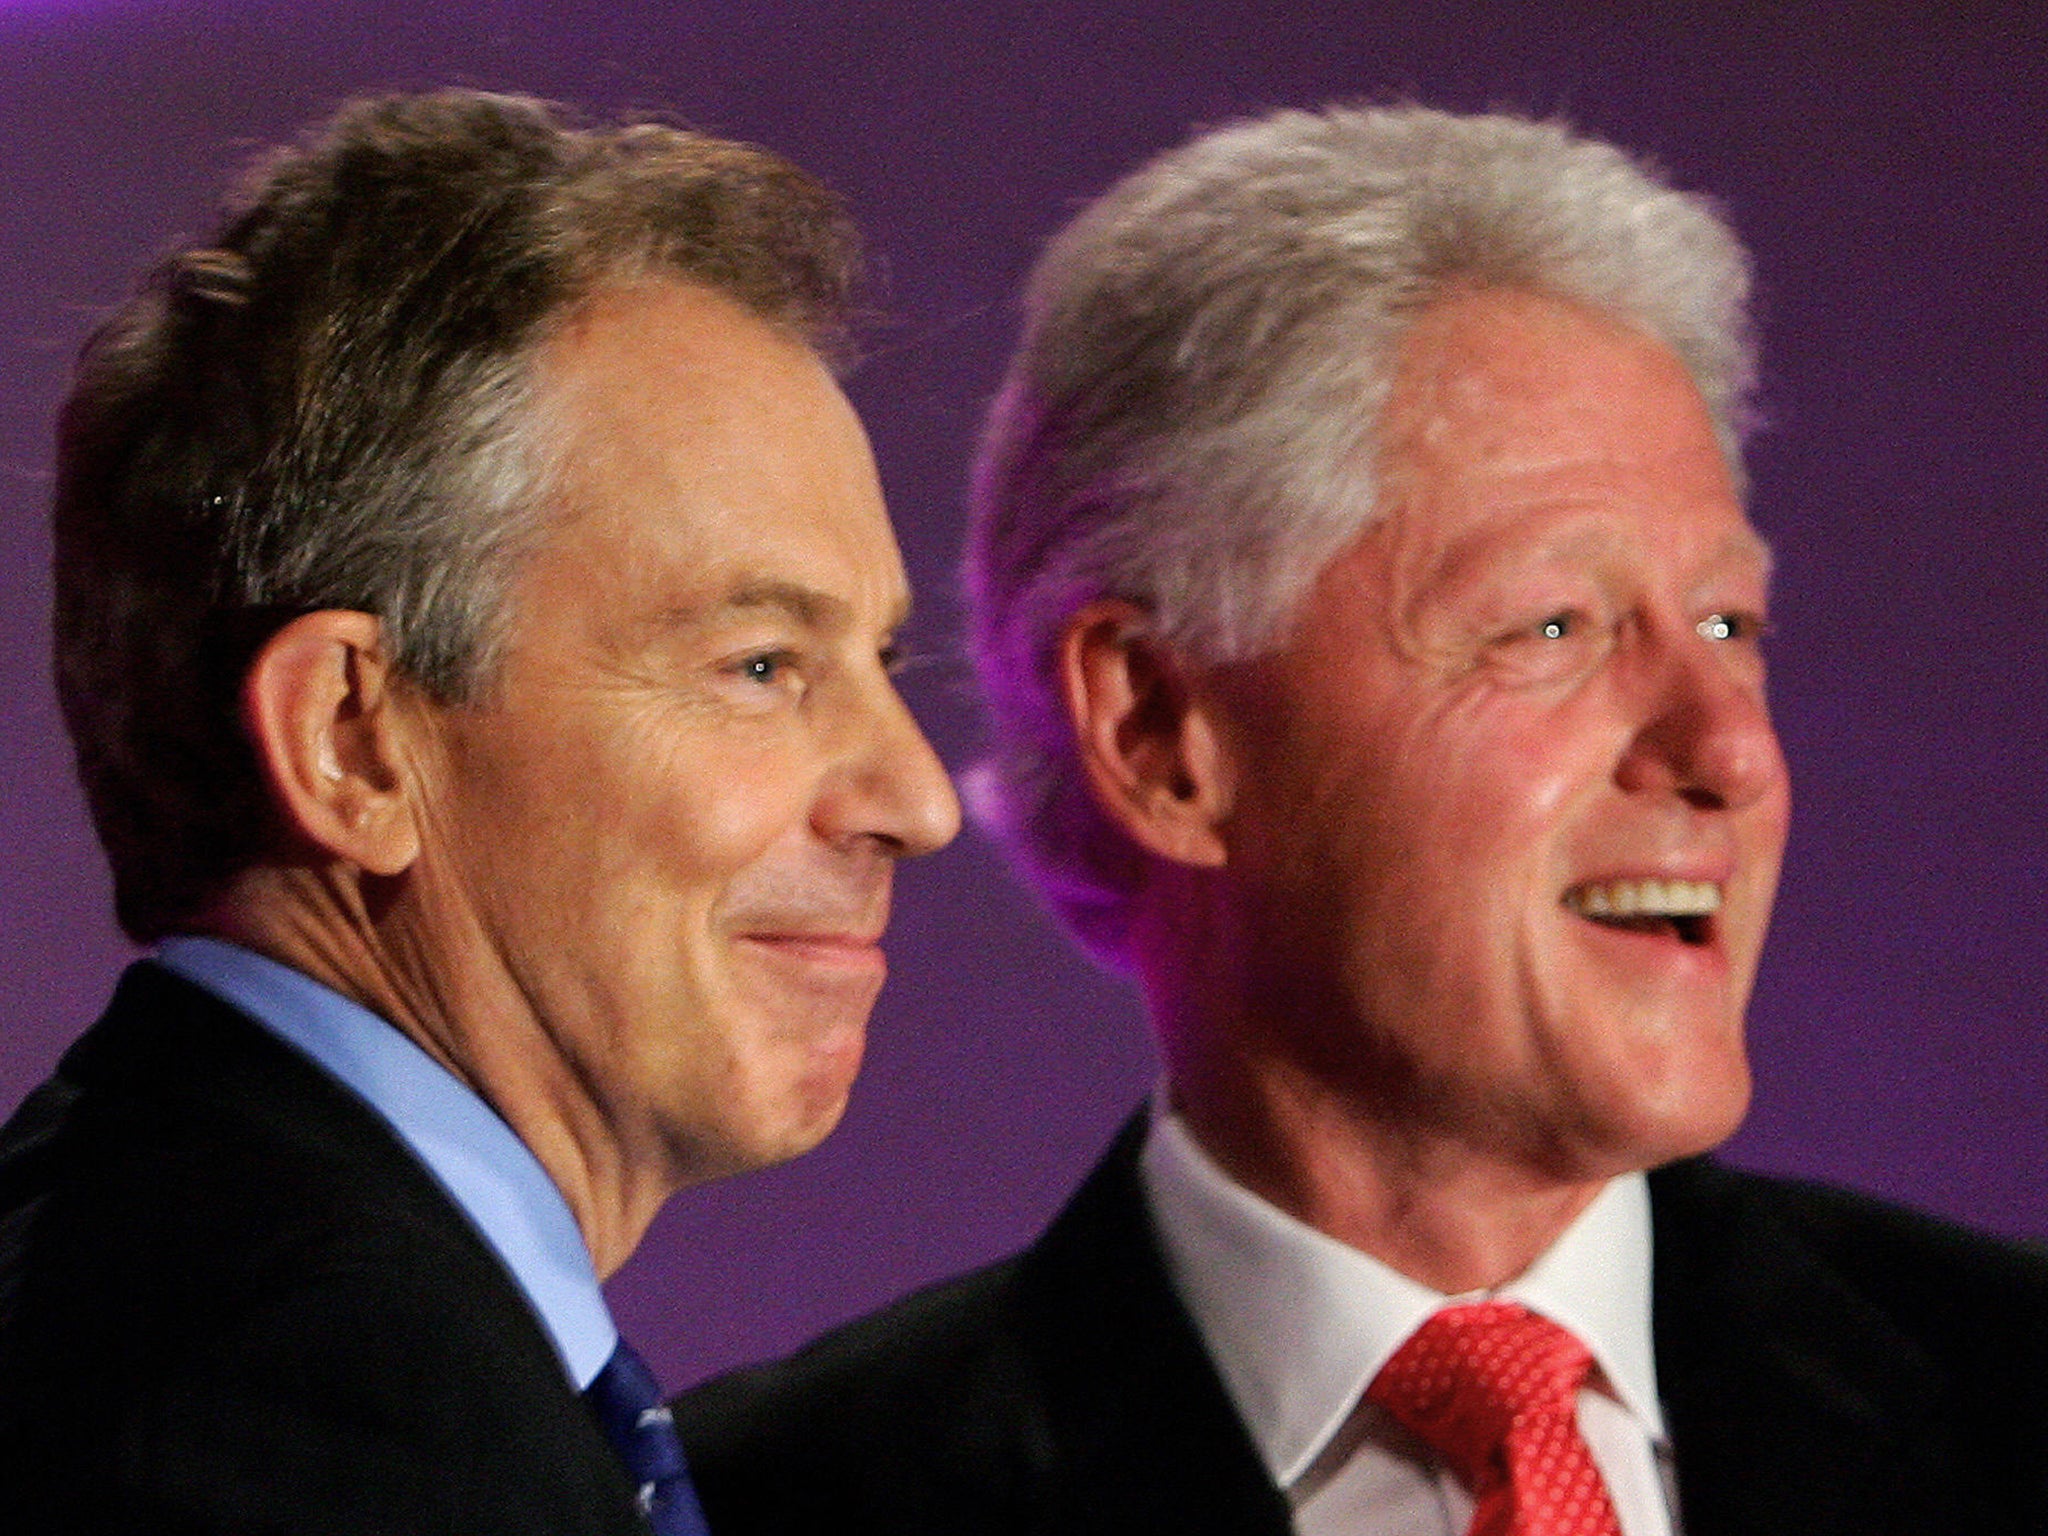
{"x": 1472, "y": 1374}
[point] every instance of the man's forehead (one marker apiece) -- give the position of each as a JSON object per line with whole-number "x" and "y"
{"x": 1428, "y": 562}
{"x": 715, "y": 468}
{"x": 1570, "y": 537}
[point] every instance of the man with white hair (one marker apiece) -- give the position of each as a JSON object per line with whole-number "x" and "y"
{"x": 1371, "y": 626}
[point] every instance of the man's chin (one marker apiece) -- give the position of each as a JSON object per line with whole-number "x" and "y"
{"x": 797, "y": 1114}
{"x": 1691, "y": 1115}
{"x": 815, "y": 1117}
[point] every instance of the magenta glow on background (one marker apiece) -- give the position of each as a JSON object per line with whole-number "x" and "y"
{"x": 1888, "y": 164}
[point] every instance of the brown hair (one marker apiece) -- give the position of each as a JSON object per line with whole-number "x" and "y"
{"x": 326, "y": 406}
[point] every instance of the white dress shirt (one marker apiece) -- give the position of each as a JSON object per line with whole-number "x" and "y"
{"x": 1299, "y": 1324}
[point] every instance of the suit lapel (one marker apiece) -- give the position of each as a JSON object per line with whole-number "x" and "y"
{"x": 1130, "y": 1390}
{"x": 1794, "y": 1404}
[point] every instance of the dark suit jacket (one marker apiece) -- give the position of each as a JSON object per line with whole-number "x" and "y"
{"x": 232, "y": 1301}
{"x": 1828, "y": 1365}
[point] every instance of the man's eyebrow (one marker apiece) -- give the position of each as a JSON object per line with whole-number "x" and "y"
{"x": 806, "y": 605}
{"x": 1742, "y": 547}
{"x": 1476, "y": 563}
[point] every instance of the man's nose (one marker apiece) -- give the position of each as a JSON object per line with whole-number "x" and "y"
{"x": 1707, "y": 733}
{"x": 891, "y": 787}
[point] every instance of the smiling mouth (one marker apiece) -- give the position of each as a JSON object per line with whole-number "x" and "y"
{"x": 1681, "y": 908}
{"x": 835, "y": 950}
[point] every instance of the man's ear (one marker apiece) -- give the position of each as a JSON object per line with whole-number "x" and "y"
{"x": 1149, "y": 745}
{"x": 320, "y": 704}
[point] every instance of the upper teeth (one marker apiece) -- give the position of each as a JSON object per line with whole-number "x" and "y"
{"x": 1645, "y": 898}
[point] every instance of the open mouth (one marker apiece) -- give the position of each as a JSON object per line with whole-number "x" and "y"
{"x": 1683, "y": 909}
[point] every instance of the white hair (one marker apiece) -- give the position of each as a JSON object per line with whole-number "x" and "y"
{"x": 1189, "y": 420}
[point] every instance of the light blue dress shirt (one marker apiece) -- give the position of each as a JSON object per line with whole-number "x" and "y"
{"x": 486, "y": 1170}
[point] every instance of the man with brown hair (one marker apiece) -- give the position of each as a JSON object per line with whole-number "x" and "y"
{"x": 474, "y": 616}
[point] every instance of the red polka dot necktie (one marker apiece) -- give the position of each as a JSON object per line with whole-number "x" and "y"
{"x": 1493, "y": 1389}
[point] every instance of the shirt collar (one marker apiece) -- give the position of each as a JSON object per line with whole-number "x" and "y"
{"x": 485, "y": 1169}
{"x": 1299, "y": 1323}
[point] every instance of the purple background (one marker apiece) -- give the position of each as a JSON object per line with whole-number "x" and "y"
{"x": 1889, "y": 165}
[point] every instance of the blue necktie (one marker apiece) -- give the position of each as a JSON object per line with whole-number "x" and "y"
{"x": 627, "y": 1401}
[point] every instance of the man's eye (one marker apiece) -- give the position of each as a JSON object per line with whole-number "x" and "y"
{"x": 1564, "y": 644}
{"x": 1573, "y": 624}
{"x": 766, "y": 667}
{"x": 899, "y": 657}
{"x": 1747, "y": 627}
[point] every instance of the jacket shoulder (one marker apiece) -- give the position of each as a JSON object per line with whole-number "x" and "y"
{"x": 1933, "y": 1278}
{"x": 231, "y": 1300}
{"x": 1865, "y": 1363}
{"x": 926, "y": 1408}
{"x": 1064, "y": 1391}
